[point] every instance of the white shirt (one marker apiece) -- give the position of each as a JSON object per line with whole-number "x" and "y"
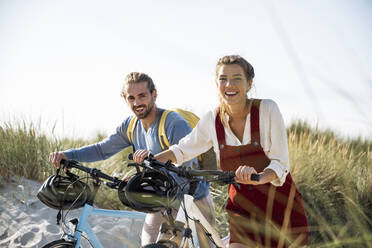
{"x": 273, "y": 139}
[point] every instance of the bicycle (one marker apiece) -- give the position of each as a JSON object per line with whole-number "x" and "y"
{"x": 81, "y": 224}
{"x": 188, "y": 215}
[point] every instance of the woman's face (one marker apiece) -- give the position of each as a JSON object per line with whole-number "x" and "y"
{"x": 232, "y": 84}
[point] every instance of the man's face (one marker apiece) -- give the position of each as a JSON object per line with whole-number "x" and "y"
{"x": 140, "y": 100}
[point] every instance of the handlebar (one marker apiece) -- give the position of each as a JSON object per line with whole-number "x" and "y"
{"x": 187, "y": 172}
{"x": 96, "y": 173}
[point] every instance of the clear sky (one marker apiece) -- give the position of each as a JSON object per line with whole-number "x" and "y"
{"x": 63, "y": 62}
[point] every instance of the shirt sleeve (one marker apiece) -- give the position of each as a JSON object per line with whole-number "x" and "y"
{"x": 195, "y": 143}
{"x": 101, "y": 150}
{"x": 278, "y": 145}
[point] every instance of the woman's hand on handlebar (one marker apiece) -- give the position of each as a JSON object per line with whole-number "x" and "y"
{"x": 140, "y": 155}
{"x": 243, "y": 175}
{"x": 163, "y": 156}
{"x": 56, "y": 157}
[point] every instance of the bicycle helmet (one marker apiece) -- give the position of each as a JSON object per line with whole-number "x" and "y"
{"x": 60, "y": 192}
{"x": 121, "y": 193}
{"x": 151, "y": 191}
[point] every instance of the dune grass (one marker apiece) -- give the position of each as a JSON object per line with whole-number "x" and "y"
{"x": 23, "y": 151}
{"x": 333, "y": 174}
{"x": 334, "y": 177}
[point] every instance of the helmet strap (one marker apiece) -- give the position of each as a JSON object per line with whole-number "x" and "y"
{"x": 59, "y": 215}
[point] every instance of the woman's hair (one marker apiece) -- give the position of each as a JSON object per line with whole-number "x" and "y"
{"x": 137, "y": 77}
{"x": 248, "y": 71}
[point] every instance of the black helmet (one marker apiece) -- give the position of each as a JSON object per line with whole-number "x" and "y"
{"x": 62, "y": 192}
{"x": 121, "y": 193}
{"x": 150, "y": 192}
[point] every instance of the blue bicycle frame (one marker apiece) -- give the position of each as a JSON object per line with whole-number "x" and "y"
{"x": 83, "y": 225}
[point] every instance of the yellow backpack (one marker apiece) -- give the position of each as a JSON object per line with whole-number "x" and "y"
{"x": 207, "y": 160}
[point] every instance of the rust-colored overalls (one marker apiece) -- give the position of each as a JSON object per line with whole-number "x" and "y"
{"x": 261, "y": 215}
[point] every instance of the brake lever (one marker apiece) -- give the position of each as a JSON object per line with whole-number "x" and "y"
{"x": 72, "y": 175}
{"x": 112, "y": 185}
{"x": 237, "y": 185}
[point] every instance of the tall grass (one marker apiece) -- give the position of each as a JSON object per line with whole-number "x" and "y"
{"x": 334, "y": 176}
{"x": 23, "y": 151}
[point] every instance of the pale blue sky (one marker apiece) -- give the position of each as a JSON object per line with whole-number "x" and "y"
{"x": 65, "y": 61}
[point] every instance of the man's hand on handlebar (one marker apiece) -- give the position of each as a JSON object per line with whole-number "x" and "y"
{"x": 56, "y": 157}
{"x": 140, "y": 155}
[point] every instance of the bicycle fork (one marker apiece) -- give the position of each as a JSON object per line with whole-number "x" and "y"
{"x": 189, "y": 216}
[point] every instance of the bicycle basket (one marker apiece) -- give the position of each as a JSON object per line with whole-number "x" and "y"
{"x": 150, "y": 192}
{"x": 60, "y": 192}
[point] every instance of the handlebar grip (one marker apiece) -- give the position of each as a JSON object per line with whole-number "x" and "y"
{"x": 255, "y": 177}
{"x": 68, "y": 163}
{"x": 130, "y": 156}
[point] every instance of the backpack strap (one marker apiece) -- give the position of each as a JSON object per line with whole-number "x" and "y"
{"x": 163, "y": 140}
{"x": 131, "y": 127}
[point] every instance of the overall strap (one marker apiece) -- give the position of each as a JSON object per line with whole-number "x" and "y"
{"x": 255, "y": 121}
{"x": 220, "y": 130}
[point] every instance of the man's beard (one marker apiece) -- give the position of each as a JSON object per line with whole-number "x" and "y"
{"x": 147, "y": 111}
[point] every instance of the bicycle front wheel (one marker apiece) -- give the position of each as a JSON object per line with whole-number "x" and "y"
{"x": 61, "y": 243}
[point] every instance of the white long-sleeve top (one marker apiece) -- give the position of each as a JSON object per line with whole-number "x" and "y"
{"x": 273, "y": 139}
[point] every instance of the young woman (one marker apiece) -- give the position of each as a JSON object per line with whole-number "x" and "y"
{"x": 248, "y": 136}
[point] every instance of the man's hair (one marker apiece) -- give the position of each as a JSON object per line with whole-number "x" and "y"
{"x": 137, "y": 77}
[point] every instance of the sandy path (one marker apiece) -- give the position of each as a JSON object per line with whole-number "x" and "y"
{"x": 26, "y": 222}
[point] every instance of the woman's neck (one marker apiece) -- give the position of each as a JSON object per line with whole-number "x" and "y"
{"x": 239, "y": 111}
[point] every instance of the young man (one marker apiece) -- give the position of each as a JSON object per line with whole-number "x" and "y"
{"x": 140, "y": 94}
